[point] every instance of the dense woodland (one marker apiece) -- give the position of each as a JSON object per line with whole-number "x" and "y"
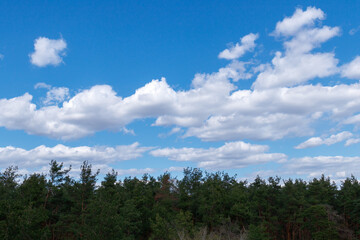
{"x": 199, "y": 206}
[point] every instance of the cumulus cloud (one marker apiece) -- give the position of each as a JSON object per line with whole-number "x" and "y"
{"x": 99, "y": 108}
{"x": 56, "y": 95}
{"x": 48, "y": 52}
{"x": 351, "y": 70}
{"x": 279, "y": 105}
{"x": 308, "y": 39}
{"x": 40, "y": 156}
{"x": 91, "y": 110}
{"x": 317, "y": 141}
{"x": 289, "y": 70}
{"x": 355, "y": 120}
{"x": 247, "y": 43}
{"x": 300, "y": 19}
{"x": 333, "y": 166}
{"x": 276, "y": 113}
{"x": 231, "y": 155}
{"x": 239, "y": 126}
{"x": 298, "y": 65}
{"x": 352, "y": 141}
{"x": 211, "y": 111}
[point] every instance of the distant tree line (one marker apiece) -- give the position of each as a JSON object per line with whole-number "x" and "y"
{"x": 201, "y": 205}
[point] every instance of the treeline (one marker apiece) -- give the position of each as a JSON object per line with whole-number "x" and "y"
{"x": 201, "y": 205}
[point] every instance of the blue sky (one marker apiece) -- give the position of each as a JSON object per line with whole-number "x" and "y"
{"x": 246, "y": 87}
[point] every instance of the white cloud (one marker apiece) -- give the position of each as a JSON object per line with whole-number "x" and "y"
{"x": 312, "y": 142}
{"x": 352, "y": 141}
{"x": 56, "y": 95}
{"x": 87, "y": 112}
{"x": 41, "y": 156}
{"x": 292, "y": 69}
{"x": 276, "y": 113}
{"x": 309, "y": 39}
{"x": 300, "y": 19}
{"x": 174, "y": 169}
{"x": 333, "y": 166}
{"x": 298, "y": 65}
{"x": 231, "y": 155}
{"x": 99, "y": 108}
{"x": 247, "y": 43}
{"x": 353, "y": 120}
{"x": 317, "y": 141}
{"x": 256, "y": 127}
{"x": 173, "y": 131}
{"x": 48, "y": 52}
{"x": 351, "y": 70}
{"x": 281, "y": 104}
{"x": 354, "y": 30}
{"x": 42, "y": 85}
{"x": 134, "y": 171}
{"x": 211, "y": 111}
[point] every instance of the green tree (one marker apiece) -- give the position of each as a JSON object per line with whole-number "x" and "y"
{"x": 57, "y": 203}
{"x": 257, "y": 233}
{"x": 10, "y": 204}
{"x": 318, "y": 224}
{"x": 190, "y": 197}
{"x": 34, "y": 215}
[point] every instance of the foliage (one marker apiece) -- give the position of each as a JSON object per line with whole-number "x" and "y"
{"x": 201, "y": 205}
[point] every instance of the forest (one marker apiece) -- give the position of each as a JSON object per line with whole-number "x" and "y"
{"x": 200, "y": 205}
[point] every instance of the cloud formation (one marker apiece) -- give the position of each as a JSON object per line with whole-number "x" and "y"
{"x": 134, "y": 171}
{"x": 317, "y": 141}
{"x": 352, "y": 141}
{"x": 211, "y": 111}
{"x": 48, "y": 52}
{"x": 333, "y": 166}
{"x": 352, "y": 70}
{"x": 56, "y": 95}
{"x": 298, "y": 64}
{"x": 300, "y": 19}
{"x": 290, "y": 96}
{"x": 282, "y": 103}
{"x": 231, "y": 155}
{"x": 42, "y": 155}
{"x": 247, "y": 43}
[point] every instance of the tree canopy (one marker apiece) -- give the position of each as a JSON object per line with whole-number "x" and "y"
{"x": 201, "y": 205}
